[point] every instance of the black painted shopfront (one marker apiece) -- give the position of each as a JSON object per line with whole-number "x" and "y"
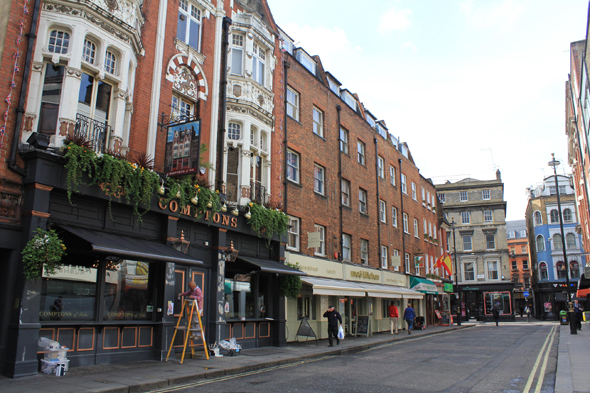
{"x": 478, "y": 301}
{"x": 116, "y": 298}
{"x": 550, "y": 299}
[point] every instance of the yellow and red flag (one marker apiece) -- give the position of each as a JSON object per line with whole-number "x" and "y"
{"x": 445, "y": 262}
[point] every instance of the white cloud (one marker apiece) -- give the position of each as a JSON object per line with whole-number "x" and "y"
{"x": 410, "y": 46}
{"x": 394, "y": 19}
{"x": 502, "y": 14}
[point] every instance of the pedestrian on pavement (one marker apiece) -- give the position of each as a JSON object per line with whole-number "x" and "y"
{"x": 527, "y": 311}
{"x": 521, "y": 311}
{"x": 578, "y": 311}
{"x": 333, "y": 318}
{"x": 496, "y": 313}
{"x": 409, "y": 316}
{"x": 393, "y": 317}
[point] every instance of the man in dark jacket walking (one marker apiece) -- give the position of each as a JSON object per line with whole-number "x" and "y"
{"x": 496, "y": 314}
{"x": 333, "y": 318}
{"x": 409, "y": 316}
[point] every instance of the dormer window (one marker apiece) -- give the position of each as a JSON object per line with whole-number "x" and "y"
{"x": 306, "y": 61}
{"x": 59, "y": 41}
{"x": 350, "y": 101}
{"x": 334, "y": 87}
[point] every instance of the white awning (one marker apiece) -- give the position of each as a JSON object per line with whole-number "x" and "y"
{"x": 326, "y": 286}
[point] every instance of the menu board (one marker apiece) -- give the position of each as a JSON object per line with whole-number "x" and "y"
{"x": 362, "y": 324}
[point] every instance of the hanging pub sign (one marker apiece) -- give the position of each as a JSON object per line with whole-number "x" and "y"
{"x": 183, "y": 144}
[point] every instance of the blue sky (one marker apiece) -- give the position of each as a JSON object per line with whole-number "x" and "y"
{"x": 471, "y": 86}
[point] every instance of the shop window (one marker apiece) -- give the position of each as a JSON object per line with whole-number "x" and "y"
{"x": 70, "y": 294}
{"x": 304, "y": 308}
{"x": 574, "y": 270}
{"x": 239, "y": 296}
{"x": 128, "y": 291}
{"x": 50, "y": 99}
{"x": 499, "y": 299}
{"x": 263, "y": 283}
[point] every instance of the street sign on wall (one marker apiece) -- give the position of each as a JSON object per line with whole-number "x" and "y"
{"x": 526, "y": 293}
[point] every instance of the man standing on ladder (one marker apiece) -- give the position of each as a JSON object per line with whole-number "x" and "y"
{"x": 194, "y": 293}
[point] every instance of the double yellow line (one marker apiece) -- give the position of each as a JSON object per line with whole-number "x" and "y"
{"x": 544, "y": 354}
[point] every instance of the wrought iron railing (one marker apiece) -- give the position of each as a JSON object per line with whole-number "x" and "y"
{"x": 258, "y": 192}
{"x": 97, "y": 132}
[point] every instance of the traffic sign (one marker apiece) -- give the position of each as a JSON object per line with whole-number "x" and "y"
{"x": 526, "y": 293}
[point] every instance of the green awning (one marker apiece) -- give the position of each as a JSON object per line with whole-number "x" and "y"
{"x": 423, "y": 285}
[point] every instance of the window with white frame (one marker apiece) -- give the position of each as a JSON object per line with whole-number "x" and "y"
{"x": 237, "y": 54}
{"x": 59, "y": 41}
{"x": 540, "y": 243}
{"x": 360, "y": 148}
{"x": 394, "y": 216}
{"x": 490, "y": 241}
{"x": 465, "y": 218}
{"x": 380, "y": 168}
{"x": 188, "y": 28}
{"x": 404, "y": 187}
{"x": 485, "y": 195}
{"x": 407, "y": 263}
{"x": 110, "y": 62}
{"x": 574, "y": 269}
{"x": 525, "y": 265}
{"x": 364, "y": 252}
{"x": 292, "y": 166}
{"x": 405, "y": 220}
{"x": 469, "y": 271}
{"x": 416, "y": 230}
{"x": 343, "y": 141}
{"x": 414, "y": 197}
{"x": 467, "y": 245}
{"x": 345, "y": 192}
{"x": 487, "y": 216}
{"x": 392, "y": 175}
{"x": 441, "y": 197}
{"x": 234, "y": 131}
{"x": 425, "y": 226}
{"x": 318, "y": 122}
{"x": 321, "y": 250}
{"x": 543, "y": 273}
{"x": 424, "y": 194}
{"x": 258, "y": 63}
{"x": 89, "y": 51}
{"x": 463, "y": 196}
{"x": 183, "y": 109}
{"x": 362, "y": 201}
{"x": 293, "y": 243}
{"x": 318, "y": 179}
{"x": 570, "y": 240}
{"x": 523, "y": 233}
{"x": 94, "y": 98}
{"x": 430, "y": 230}
{"x": 346, "y": 244}
{"x": 383, "y": 257}
{"x": 493, "y": 273}
{"x": 292, "y": 103}
{"x": 557, "y": 243}
{"x": 567, "y": 215}
{"x": 554, "y": 216}
{"x": 538, "y": 218}
{"x": 382, "y": 211}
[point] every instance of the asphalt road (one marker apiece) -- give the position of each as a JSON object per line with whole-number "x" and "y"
{"x": 509, "y": 358}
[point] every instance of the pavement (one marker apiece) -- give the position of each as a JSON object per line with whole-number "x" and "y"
{"x": 572, "y": 375}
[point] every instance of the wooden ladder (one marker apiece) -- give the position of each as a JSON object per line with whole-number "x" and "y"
{"x": 191, "y": 307}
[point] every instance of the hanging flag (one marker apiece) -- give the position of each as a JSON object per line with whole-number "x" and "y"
{"x": 445, "y": 262}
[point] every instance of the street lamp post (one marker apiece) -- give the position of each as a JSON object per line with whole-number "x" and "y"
{"x": 459, "y": 308}
{"x": 573, "y": 328}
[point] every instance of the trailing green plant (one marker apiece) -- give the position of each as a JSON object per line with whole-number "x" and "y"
{"x": 80, "y": 160}
{"x": 45, "y": 249}
{"x": 267, "y": 221}
{"x": 290, "y": 285}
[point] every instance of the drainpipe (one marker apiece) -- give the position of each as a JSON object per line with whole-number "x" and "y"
{"x": 286, "y": 67}
{"x": 401, "y": 193}
{"x": 378, "y": 202}
{"x": 23, "y": 91}
{"x": 222, "y": 104}
{"x": 338, "y": 109}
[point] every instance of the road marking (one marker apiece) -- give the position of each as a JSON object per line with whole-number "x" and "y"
{"x": 527, "y": 387}
{"x": 545, "y": 360}
{"x": 228, "y": 377}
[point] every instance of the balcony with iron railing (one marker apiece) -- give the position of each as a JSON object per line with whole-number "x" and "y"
{"x": 96, "y": 132}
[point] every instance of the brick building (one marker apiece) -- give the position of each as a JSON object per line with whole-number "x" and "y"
{"x": 477, "y": 210}
{"x": 520, "y": 267}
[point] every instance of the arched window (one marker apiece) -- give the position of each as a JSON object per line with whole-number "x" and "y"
{"x": 538, "y": 218}
{"x": 540, "y": 243}
{"x": 560, "y": 269}
{"x": 233, "y": 131}
{"x": 567, "y": 215}
{"x": 557, "y": 244}
{"x": 110, "y": 62}
{"x": 554, "y": 216}
{"x": 543, "y": 271}
{"x": 570, "y": 239}
{"x": 89, "y": 51}
{"x": 59, "y": 41}
{"x": 574, "y": 269}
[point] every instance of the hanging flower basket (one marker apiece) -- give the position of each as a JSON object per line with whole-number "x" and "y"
{"x": 44, "y": 250}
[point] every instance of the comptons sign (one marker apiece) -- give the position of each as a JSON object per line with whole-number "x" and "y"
{"x": 192, "y": 211}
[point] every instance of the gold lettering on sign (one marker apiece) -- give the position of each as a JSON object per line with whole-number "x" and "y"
{"x": 162, "y": 205}
{"x": 225, "y": 220}
{"x": 216, "y": 218}
{"x": 173, "y": 206}
{"x": 186, "y": 211}
{"x": 364, "y": 275}
{"x": 234, "y": 222}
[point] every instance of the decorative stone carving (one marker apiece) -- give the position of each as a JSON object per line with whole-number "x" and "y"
{"x": 66, "y": 127}
{"x": 248, "y": 91}
{"x": 28, "y": 122}
{"x": 240, "y": 109}
{"x": 185, "y": 82}
{"x": 10, "y": 201}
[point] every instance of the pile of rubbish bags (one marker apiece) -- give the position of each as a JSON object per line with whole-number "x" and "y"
{"x": 232, "y": 347}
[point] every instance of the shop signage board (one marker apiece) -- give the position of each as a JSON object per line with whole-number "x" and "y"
{"x": 362, "y": 274}
{"x": 316, "y": 266}
{"x": 313, "y": 240}
{"x": 390, "y": 278}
